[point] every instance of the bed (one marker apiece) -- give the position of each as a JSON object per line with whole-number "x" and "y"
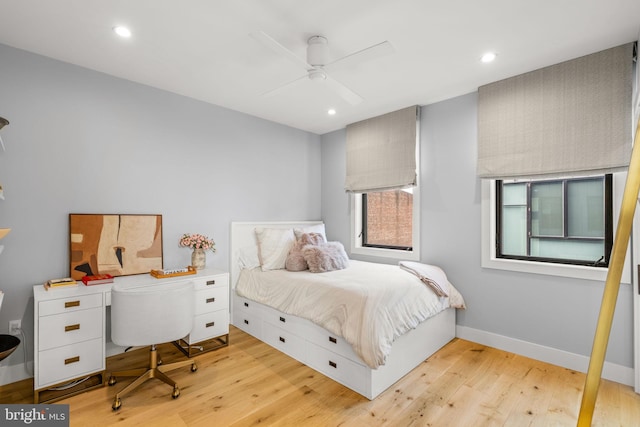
{"x": 350, "y": 343}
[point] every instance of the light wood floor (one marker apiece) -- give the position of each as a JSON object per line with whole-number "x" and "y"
{"x": 249, "y": 383}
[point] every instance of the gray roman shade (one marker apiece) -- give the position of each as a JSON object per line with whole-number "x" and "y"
{"x": 381, "y": 152}
{"x": 566, "y": 119}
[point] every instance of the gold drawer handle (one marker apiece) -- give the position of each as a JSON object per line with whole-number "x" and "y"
{"x": 71, "y": 360}
{"x": 72, "y": 327}
{"x": 211, "y": 300}
{"x": 210, "y": 324}
{"x": 333, "y": 340}
{"x": 333, "y": 364}
{"x": 211, "y": 282}
{"x": 70, "y": 304}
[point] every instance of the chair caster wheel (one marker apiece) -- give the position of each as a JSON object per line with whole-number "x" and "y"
{"x": 194, "y": 367}
{"x": 112, "y": 380}
{"x": 117, "y": 403}
{"x": 176, "y": 392}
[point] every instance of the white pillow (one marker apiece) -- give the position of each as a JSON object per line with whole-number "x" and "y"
{"x": 248, "y": 257}
{"x": 274, "y": 245}
{"x": 318, "y": 228}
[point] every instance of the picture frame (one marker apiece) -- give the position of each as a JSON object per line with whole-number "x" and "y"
{"x": 115, "y": 244}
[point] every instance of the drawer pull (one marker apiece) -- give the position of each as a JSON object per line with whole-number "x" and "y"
{"x": 282, "y": 319}
{"x": 69, "y": 328}
{"x": 211, "y": 282}
{"x": 333, "y": 340}
{"x": 211, "y": 300}
{"x": 210, "y": 324}
{"x": 246, "y": 304}
{"x": 71, "y": 360}
{"x": 282, "y": 339}
{"x": 246, "y": 322}
{"x": 70, "y": 304}
{"x": 333, "y": 364}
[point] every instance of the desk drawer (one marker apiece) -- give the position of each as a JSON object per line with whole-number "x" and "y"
{"x": 69, "y": 328}
{"x": 67, "y": 305}
{"x": 213, "y": 299}
{"x": 220, "y": 280}
{"x": 209, "y": 325}
{"x": 71, "y": 361}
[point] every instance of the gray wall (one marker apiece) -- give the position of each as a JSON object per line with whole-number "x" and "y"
{"x": 551, "y": 311}
{"x": 84, "y": 142}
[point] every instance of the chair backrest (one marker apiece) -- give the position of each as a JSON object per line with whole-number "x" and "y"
{"x": 151, "y": 314}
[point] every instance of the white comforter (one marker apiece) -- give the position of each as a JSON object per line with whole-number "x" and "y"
{"x": 367, "y": 304}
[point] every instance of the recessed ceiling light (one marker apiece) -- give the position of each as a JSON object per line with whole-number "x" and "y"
{"x": 122, "y": 31}
{"x": 331, "y": 112}
{"x": 488, "y": 57}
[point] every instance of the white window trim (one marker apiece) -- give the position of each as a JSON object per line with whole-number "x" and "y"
{"x": 488, "y": 233}
{"x": 356, "y": 226}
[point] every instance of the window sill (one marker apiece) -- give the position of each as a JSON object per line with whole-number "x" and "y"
{"x": 562, "y": 270}
{"x": 386, "y": 253}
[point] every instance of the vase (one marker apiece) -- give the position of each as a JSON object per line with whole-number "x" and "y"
{"x": 198, "y": 259}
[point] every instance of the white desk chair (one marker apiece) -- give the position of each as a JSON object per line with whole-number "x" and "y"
{"x": 151, "y": 315}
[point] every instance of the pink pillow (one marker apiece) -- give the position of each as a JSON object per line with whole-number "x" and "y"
{"x": 325, "y": 257}
{"x": 295, "y": 260}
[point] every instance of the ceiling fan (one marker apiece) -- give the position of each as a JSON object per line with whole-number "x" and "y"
{"x": 317, "y": 65}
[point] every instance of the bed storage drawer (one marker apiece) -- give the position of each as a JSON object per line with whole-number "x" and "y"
{"x": 285, "y": 341}
{"x": 246, "y": 305}
{"x": 248, "y": 322}
{"x": 332, "y": 342}
{"x": 287, "y": 322}
{"x": 338, "y": 367}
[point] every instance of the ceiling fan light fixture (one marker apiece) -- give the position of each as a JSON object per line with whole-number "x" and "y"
{"x": 317, "y": 74}
{"x": 317, "y": 51}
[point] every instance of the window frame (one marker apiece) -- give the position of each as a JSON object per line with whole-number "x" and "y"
{"x": 357, "y": 247}
{"x": 488, "y": 236}
{"x": 608, "y": 222}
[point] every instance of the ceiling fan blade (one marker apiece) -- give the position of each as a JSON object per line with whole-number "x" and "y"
{"x": 272, "y": 44}
{"x": 346, "y": 93}
{"x": 286, "y": 86}
{"x": 376, "y": 51}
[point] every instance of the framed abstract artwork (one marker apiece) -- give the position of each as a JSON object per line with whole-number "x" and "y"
{"x": 116, "y": 244}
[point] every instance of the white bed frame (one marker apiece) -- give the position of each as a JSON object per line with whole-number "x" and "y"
{"x": 318, "y": 348}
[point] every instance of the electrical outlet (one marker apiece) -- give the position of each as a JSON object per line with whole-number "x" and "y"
{"x": 15, "y": 326}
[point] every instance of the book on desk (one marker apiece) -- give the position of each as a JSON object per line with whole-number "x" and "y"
{"x": 64, "y": 282}
{"x": 97, "y": 279}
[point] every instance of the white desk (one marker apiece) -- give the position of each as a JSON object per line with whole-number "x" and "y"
{"x": 70, "y": 339}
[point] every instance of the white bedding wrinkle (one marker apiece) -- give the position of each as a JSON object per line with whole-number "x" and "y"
{"x": 368, "y": 304}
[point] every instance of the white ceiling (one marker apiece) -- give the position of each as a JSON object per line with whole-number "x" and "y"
{"x": 202, "y": 48}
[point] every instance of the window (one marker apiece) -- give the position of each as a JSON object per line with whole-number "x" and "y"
{"x": 385, "y": 224}
{"x": 387, "y": 219}
{"x": 566, "y": 221}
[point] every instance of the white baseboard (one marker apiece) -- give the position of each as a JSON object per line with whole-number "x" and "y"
{"x": 577, "y": 362}
{"x": 13, "y": 373}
